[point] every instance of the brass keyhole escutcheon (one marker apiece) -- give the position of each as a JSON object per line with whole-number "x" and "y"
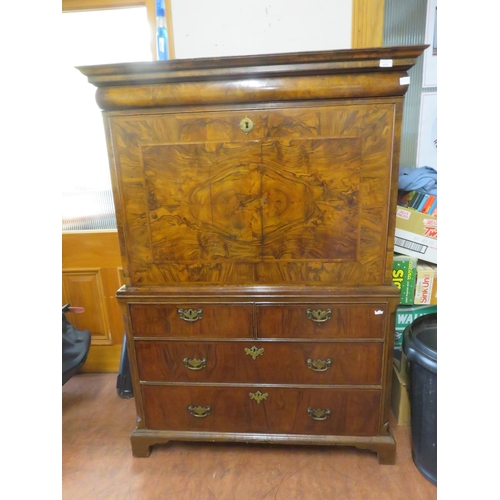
{"x": 246, "y": 125}
{"x": 258, "y": 396}
{"x": 254, "y": 352}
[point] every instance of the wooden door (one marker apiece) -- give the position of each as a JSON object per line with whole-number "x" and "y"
{"x": 91, "y": 275}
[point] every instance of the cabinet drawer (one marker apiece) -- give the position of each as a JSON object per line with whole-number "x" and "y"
{"x": 262, "y": 409}
{"x": 191, "y": 320}
{"x": 340, "y": 363}
{"x": 321, "y": 321}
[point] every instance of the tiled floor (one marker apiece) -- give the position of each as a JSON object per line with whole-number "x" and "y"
{"x": 98, "y": 462}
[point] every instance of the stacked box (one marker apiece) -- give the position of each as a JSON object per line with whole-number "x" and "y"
{"x": 400, "y": 399}
{"x": 399, "y": 360}
{"x": 426, "y": 284}
{"x": 416, "y": 234}
{"x": 406, "y": 315}
{"x": 404, "y": 277}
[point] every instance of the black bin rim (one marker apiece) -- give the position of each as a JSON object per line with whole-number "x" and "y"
{"x": 415, "y": 349}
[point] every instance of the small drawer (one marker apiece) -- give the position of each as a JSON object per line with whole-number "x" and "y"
{"x": 321, "y": 321}
{"x": 298, "y": 363}
{"x": 191, "y": 320}
{"x": 268, "y": 409}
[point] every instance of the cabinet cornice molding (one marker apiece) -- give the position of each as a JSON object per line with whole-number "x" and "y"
{"x": 285, "y": 77}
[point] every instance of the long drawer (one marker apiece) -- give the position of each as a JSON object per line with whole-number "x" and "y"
{"x": 333, "y": 363}
{"x": 321, "y": 321}
{"x": 191, "y": 320}
{"x": 264, "y": 409}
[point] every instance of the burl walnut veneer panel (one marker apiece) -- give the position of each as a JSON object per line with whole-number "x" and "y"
{"x": 301, "y": 199}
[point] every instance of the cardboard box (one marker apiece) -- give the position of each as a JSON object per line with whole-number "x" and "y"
{"x": 404, "y": 276}
{"x": 400, "y": 360}
{"x": 426, "y": 284}
{"x": 400, "y": 399}
{"x": 406, "y": 315}
{"x": 398, "y": 339}
{"x": 416, "y": 234}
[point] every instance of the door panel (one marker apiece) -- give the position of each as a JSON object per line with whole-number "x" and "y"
{"x": 91, "y": 275}
{"x": 299, "y": 198}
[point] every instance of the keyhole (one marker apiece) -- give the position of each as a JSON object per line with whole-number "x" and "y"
{"x": 246, "y": 125}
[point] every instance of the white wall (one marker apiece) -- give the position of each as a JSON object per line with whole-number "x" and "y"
{"x": 214, "y": 28}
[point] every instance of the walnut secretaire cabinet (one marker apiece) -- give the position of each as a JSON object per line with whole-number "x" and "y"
{"x": 255, "y": 201}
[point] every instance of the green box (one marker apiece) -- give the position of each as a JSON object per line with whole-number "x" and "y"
{"x": 406, "y": 315}
{"x": 404, "y": 276}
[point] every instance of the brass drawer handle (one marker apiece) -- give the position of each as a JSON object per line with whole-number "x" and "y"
{"x": 190, "y": 315}
{"x": 195, "y": 363}
{"x": 319, "y": 365}
{"x": 199, "y": 411}
{"x": 254, "y": 352}
{"x": 319, "y": 315}
{"x": 318, "y": 413}
{"x": 258, "y": 396}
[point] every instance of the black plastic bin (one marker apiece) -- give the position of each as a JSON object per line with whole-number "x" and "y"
{"x": 420, "y": 346}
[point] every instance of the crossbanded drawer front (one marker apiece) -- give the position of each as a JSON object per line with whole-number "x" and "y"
{"x": 321, "y": 321}
{"x": 191, "y": 320}
{"x": 262, "y": 409}
{"x": 333, "y": 363}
